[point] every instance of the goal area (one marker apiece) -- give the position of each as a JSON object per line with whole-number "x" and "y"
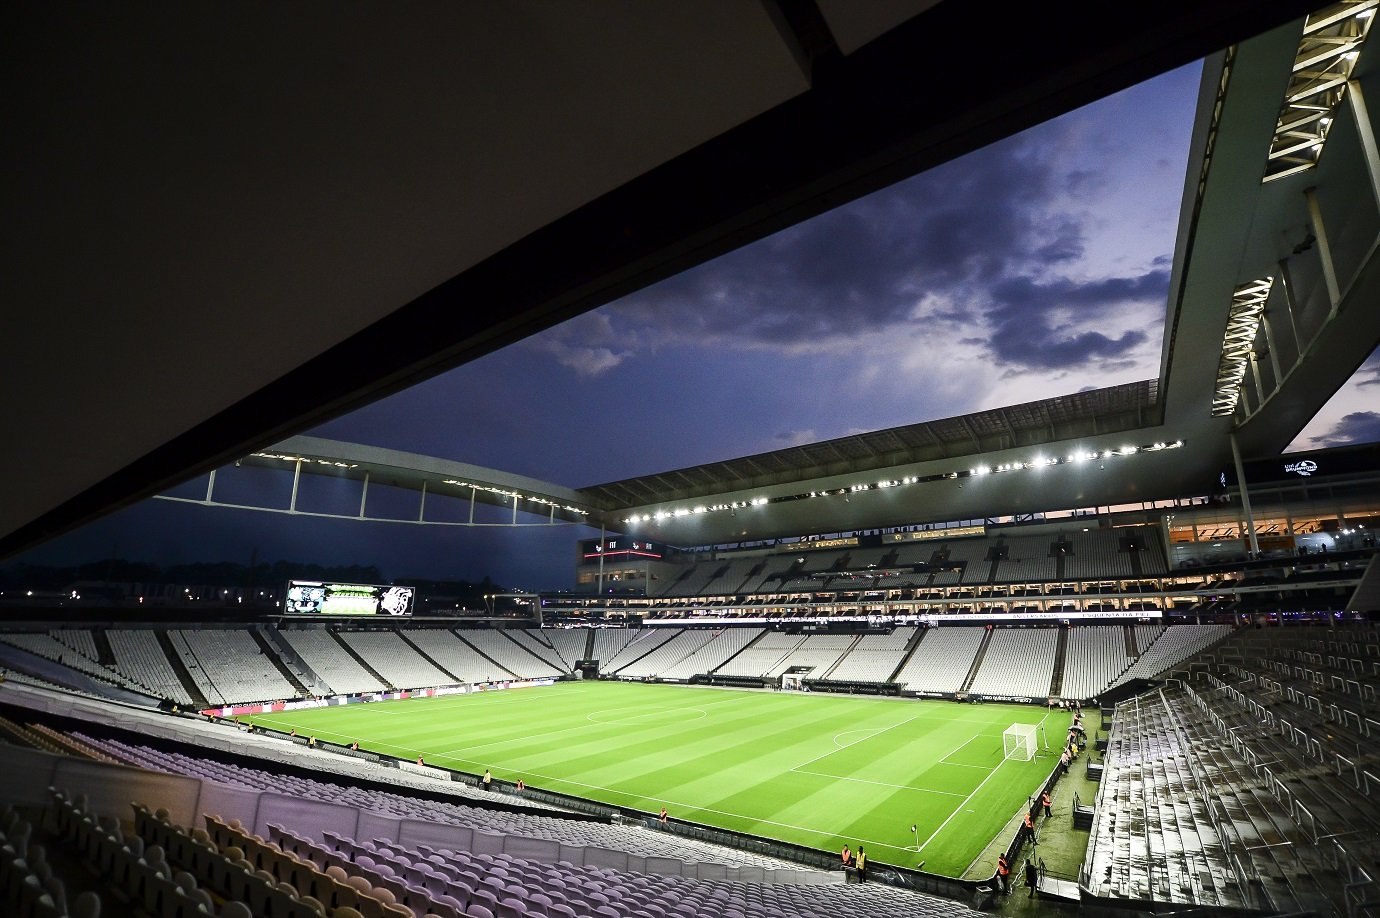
{"x": 1018, "y": 742}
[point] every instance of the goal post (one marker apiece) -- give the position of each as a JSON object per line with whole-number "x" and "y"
{"x": 1018, "y": 742}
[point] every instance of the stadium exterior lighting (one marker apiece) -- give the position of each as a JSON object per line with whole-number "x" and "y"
{"x": 1327, "y": 51}
{"x": 333, "y": 463}
{"x": 1036, "y": 462}
{"x": 1238, "y": 342}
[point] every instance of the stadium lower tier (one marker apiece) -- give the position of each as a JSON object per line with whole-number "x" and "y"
{"x": 1244, "y": 780}
{"x": 211, "y": 668}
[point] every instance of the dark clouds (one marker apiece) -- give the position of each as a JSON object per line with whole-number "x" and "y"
{"x": 1025, "y": 334}
{"x": 1348, "y": 417}
{"x": 1357, "y": 427}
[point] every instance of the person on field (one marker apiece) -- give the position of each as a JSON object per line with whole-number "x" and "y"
{"x": 488, "y": 779}
{"x": 663, "y": 817}
{"x": 861, "y": 862}
{"x": 1045, "y": 802}
{"x": 846, "y": 856}
{"x": 1004, "y": 873}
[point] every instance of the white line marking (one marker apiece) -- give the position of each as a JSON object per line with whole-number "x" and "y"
{"x": 962, "y": 805}
{"x": 927, "y": 790}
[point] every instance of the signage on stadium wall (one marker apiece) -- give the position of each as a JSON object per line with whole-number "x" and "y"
{"x": 1018, "y": 699}
{"x": 949, "y": 695}
{"x": 816, "y": 545}
{"x": 928, "y": 535}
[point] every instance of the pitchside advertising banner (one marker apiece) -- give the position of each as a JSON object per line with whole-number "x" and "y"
{"x": 314, "y": 597}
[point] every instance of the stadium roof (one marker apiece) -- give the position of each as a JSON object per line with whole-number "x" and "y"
{"x": 372, "y": 174}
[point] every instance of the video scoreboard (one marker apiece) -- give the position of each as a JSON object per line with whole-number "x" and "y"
{"x": 314, "y": 597}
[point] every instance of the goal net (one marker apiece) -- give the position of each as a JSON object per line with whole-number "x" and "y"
{"x": 1018, "y": 742}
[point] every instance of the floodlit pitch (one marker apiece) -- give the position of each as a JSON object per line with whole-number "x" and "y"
{"x": 816, "y": 770}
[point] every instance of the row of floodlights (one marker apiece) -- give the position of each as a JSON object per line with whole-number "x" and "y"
{"x": 333, "y": 463}
{"x": 1038, "y": 462}
{"x": 518, "y": 495}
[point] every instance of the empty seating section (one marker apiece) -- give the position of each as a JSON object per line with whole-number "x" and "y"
{"x": 139, "y": 655}
{"x": 818, "y": 651}
{"x": 1275, "y": 736}
{"x": 1019, "y": 661}
{"x": 942, "y": 660}
{"x": 760, "y": 658}
{"x": 765, "y": 575}
{"x": 503, "y": 650}
{"x": 1098, "y": 553}
{"x": 712, "y": 654}
{"x": 730, "y": 579}
{"x": 1093, "y": 658}
{"x": 667, "y": 654}
{"x": 693, "y": 580}
{"x": 457, "y": 656}
{"x": 1027, "y": 561}
{"x": 570, "y": 643}
{"x": 1173, "y": 646}
{"x": 45, "y": 645}
{"x": 640, "y": 643}
{"x": 35, "y": 885}
{"x": 330, "y": 661}
{"x": 1116, "y": 555}
{"x": 630, "y": 838}
{"x": 228, "y": 667}
{"x": 395, "y": 659}
{"x": 79, "y": 639}
{"x": 874, "y": 658}
{"x": 505, "y": 885}
{"x": 1146, "y": 635}
{"x": 535, "y": 641}
{"x": 1155, "y": 834}
{"x": 608, "y": 642}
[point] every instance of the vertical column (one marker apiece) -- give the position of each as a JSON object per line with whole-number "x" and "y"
{"x": 296, "y": 477}
{"x": 210, "y": 485}
{"x": 1334, "y": 291}
{"x": 471, "y": 505}
{"x": 601, "y": 560}
{"x": 1290, "y": 307}
{"x": 364, "y": 494}
{"x": 1366, "y": 132}
{"x": 1245, "y": 494}
{"x": 1255, "y": 374}
{"x": 1274, "y": 352}
{"x": 515, "y": 502}
{"x": 421, "y": 510}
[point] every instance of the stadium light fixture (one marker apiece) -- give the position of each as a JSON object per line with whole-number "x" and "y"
{"x": 1238, "y": 342}
{"x": 1327, "y": 52}
{"x": 1036, "y": 462}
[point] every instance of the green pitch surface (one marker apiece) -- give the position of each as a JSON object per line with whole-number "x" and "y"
{"x": 816, "y": 770}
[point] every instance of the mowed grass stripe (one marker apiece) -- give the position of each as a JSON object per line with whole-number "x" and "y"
{"x": 816, "y": 770}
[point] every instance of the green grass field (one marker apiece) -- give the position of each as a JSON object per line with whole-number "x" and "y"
{"x": 816, "y": 770}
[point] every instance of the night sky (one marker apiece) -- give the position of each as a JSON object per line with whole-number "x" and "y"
{"x": 1035, "y": 267}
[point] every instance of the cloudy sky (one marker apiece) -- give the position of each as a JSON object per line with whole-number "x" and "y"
{"x": 1035, "y": 267}
{"x": 1349, "y": 417}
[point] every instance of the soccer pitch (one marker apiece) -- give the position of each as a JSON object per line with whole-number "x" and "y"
{"x": 815, "y": 770}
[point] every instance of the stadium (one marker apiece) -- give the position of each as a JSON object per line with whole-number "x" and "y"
{"x": 1114, "y": 651}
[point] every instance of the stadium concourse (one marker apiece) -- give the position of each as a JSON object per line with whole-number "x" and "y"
{"x": 1117, "y": 644}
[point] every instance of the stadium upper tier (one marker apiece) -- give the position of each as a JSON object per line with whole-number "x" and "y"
{"x": 1064, "y": 556}
{"x": 228, "y": 666}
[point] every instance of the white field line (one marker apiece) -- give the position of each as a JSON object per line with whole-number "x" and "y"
{"x": 907, "y": 787}
{"x": 960, "y": 807}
